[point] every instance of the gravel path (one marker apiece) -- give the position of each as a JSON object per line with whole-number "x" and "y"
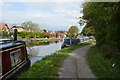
{"x": 75, "y": 66}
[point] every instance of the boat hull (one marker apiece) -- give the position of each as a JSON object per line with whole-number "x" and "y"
{"x": 17, "y": 71}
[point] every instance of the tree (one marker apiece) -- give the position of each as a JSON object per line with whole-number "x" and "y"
{"x": 88, "y": 31}
{"x": 44, "y": 30}
{"x": 73, "y": 31}
{"x": 104, "y": 19}
{"x": 29, "y": 26}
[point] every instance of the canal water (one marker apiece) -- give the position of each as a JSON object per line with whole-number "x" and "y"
{"x": 38, "y": 52}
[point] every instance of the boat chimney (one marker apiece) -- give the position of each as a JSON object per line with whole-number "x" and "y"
{"x": 15, "y": 34}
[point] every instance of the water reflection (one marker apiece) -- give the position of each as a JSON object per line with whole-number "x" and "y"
{"x": 38, "y": 52}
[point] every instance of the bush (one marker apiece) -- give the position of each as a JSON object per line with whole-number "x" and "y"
{"x": 103, "y": 64}
{"x": 32, "y": 35}
{"x": 104, "y": 18}
{"x": 6, "y": 34}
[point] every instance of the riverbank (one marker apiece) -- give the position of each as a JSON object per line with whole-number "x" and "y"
{"x": 49, "y": 66}
{"x": 30, "y": 44}
{"x": 104, "y": 64}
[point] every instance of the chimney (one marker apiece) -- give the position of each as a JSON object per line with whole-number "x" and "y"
{"x": 15, "y": 34}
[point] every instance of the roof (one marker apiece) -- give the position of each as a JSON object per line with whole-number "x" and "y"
{"x": 17, "y": 27}
{"x": 5, "y": 45}
{"x": 2, "y": 25}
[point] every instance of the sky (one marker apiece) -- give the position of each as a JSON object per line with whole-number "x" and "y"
{"x": 54, "y": 15}
{"x": 48, "y": 14}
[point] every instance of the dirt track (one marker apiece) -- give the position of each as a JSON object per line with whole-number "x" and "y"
{"x": 75, "y": 66}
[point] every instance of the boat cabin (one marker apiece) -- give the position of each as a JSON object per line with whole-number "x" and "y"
{"x": 13, "y": 58}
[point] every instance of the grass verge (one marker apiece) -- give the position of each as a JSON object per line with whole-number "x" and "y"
{"x": 104, "y": 64}
{"x": 29, "y": 44}
{"x": 49, "y": 66}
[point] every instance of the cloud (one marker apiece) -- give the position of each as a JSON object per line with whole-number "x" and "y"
{"x": 54, "y": 16}
{"x": 44, "y": 0}
{"x": 60, "y": 1}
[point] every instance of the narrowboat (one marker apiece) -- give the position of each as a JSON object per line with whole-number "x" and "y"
{"x": 13, "y": 58}
{"x": 69, "y": 41}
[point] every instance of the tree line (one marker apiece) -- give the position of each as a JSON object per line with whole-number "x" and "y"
{"x": 31, "y": 30}
{"x": 103, "y": 19}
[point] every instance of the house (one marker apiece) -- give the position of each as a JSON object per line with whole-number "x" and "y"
{"x": 53, "y": 34}
{"x": 61, "y": 36}
{"x": 4, "y": 27}
{"x": 19, "y": 28}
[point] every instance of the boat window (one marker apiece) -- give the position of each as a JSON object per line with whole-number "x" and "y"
{"x": 0, "y": 65}
{"x": 16, "y": 57}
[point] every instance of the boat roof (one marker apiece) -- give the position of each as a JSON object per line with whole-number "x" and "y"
{"x": 9, "y": 43}
{"x": 5, "y": 40}
{"x": 67, "y": 38}
{"x": 70, "y": 38}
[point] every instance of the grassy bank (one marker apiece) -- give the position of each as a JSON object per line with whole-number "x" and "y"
{"x": 29, "y": 44}
{"x": 104, "y": 64}
{"x": 42, "y": 38}
{"x": 49, "y": 66}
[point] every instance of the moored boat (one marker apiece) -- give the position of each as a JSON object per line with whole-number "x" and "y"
{"x": 13, "y": 58}
{"x": 69, "y": 41}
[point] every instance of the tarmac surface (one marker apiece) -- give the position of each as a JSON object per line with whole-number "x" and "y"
{"x": 76, "y": 66}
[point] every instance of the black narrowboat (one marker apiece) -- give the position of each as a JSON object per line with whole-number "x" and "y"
{"x": 69, "y": 41}
{"x": 13, "y": 58}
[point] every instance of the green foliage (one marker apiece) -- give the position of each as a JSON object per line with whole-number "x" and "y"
{"x": 29, "y": 26}
{"x": 22, "y": 34}
{"x": 29, "y": 44}
{"x": 44, "y": 30}
{"x": 88, "y": 31}
{"x": 32, "y": 35}
{"x": 104, "y": 19}
{"x": 5, "y": 34}
{"x": 49, "y": 66}
{"x": 73, "y": 31}
{"x": 101, "y": 63}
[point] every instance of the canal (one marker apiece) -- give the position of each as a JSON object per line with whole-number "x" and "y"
{"x": 37, "y": 52}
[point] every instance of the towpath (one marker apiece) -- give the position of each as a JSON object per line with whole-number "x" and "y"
{"x": 76, "y": 66}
